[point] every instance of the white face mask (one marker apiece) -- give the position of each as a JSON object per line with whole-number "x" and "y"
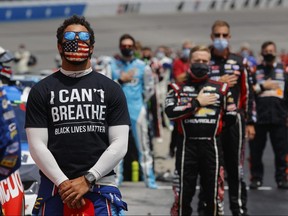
{"x": 220, "y": 44}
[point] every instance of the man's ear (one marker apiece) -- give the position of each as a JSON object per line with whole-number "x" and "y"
{"x": 59, "y": 46}
{"x": 91, "y": 51}
{"x": 212, "y": 36}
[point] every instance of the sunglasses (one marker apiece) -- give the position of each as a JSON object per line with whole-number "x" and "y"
{"x": 126, "y": 46}
{"x": 217, "y": 35}
{"x": 83, "y": 36}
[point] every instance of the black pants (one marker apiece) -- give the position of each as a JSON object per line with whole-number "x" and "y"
{"x": 204, "y": 158}
{"x": 278, "y": 137}
{"x": 233, "y": 144}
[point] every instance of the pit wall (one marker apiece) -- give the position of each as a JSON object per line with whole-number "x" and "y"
{"x": 40, "y": 10}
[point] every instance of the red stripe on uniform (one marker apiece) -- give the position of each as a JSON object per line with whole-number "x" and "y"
{"x": 108, "y": 205}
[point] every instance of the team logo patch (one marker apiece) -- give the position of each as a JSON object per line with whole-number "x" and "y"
{"x": 230, "y": 100}
{"x": 231, "y": 61}
{"x": 184, "y": 101}
{"x": 9, "y": 161}
{"x": 188, "y": 89}
{"x": 209, "y": 88}
{"x": 227, "y": 67}
{"x": 203, "y": 112}
{"x": 4, "y": 104}
{"x": 279, "y": 76}
{"x": 278, "y": 70}
{"x": 38, "y": 202}
{"x": 12, "y": 148}
{"x": 235, "y": 67}
{"x": 9, "y": 115}
{"x": 215, "y": 71}
{"x": 215, "y": 67}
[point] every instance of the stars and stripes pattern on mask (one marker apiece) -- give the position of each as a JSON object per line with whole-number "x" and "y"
{"x": 76, "y": 50}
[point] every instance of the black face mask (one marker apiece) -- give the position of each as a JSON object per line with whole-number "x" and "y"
{"x": 199, "y": 70}
{"x": 146, "y": 58}
{"x": 269, "y": 57}
{"x": 126, "y": 52}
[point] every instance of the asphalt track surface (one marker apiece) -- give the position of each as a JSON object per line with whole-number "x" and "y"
{"x": 246, "y": 26}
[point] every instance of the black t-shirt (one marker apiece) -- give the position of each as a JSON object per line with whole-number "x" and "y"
{"x": 77, "y": 113}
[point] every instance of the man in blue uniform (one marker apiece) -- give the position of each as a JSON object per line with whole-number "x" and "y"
{"x": 136, "y": 80}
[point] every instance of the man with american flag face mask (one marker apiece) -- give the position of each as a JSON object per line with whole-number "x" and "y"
{"x": 77, "y": 126}
{"x": 76, "y": 51}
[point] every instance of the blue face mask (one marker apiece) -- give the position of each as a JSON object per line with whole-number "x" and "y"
{"x": 220, "y": 44}
{"x": 245, "y": 54}
{"x": 160, "y": 55}
{"x": 185, "y": 53}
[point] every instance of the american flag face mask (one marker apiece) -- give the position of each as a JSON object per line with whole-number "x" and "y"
{"x": 76, "y": 51}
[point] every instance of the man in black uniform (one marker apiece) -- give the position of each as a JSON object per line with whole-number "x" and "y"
{"x": 77, "y": 125}
{"x": 199, "y": 105}
{"x": 228, "y": 67}
{"x": 271, "y": 87}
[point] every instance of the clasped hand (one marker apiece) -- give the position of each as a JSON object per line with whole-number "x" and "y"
{"x": 72, "y": 191}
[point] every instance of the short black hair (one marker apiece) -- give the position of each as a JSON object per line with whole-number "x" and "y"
{"x": 75, "y": 19}
{"x": 146, "y": 48}
{"x": 267, "y": 43}
{"x": 126, "y": 36}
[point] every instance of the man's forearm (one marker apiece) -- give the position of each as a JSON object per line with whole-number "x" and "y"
{"x": 37, "y": 139}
